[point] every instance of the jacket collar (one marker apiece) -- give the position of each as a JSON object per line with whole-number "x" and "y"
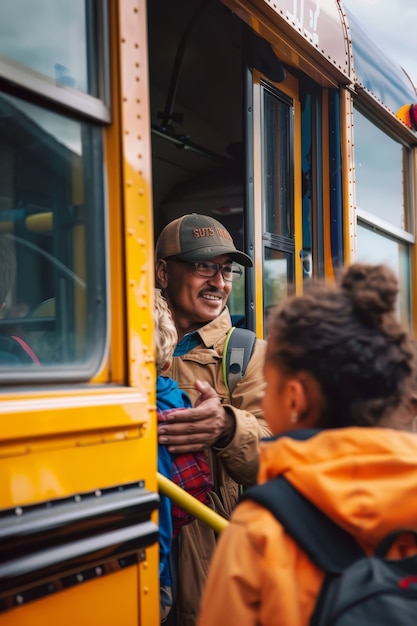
{"x": 219, "y": 327}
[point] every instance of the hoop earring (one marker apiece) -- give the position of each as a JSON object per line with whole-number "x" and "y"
{"x": 294, "y": 418}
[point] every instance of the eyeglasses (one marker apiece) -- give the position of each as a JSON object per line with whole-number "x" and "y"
{"x": 204, "y": 269}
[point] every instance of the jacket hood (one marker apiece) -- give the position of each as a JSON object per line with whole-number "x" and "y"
{"x": 364, "y": 479}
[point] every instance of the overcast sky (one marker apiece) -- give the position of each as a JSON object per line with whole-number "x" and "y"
{"x": 392, "y": 24}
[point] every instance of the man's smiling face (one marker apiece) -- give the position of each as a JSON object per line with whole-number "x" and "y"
{"x": 194, "y": 300}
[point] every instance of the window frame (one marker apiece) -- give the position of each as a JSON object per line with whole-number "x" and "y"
{"x": 372, "y": 222}
{"x": 36, "y": 89}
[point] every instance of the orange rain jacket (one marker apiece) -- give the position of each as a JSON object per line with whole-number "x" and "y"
{"x": 365, "y": 479}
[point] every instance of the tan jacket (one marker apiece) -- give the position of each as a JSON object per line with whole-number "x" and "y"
{"x": 364, "y": 479}
{"x": 235, "y": 464}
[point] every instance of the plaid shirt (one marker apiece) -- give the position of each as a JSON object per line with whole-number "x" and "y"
{"x": 191, "y": 472}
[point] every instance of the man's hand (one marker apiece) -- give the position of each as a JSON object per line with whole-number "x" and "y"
{"x": 192, "y": 430}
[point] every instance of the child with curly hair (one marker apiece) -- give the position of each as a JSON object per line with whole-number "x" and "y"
{"x": 340, "y": 400}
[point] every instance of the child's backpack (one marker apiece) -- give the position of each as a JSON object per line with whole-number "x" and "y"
{"x": 358, "y": 590}
{"x": 237, "y": 352}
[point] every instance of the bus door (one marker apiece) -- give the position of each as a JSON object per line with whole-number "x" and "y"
{"x": 277, "y": 198}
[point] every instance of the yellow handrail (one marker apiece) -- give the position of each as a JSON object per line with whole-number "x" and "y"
{"x": 191, "y": 504}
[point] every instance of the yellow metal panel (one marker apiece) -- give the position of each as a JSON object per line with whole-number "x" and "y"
{"x": 62, "y": 455}
{"x": 37, "y": 477}
{"x": 109, "y": 601}
{"x": 137, "y": 191}
{"x": 55, "y": 413}
{"x": 149, "y": 589}
{"x": 116, "y": 368}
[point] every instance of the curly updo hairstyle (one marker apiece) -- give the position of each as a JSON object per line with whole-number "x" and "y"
{"x": 348, "y": 337}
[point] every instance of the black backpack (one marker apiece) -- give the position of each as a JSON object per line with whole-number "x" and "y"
{"x": 358, "y": 590}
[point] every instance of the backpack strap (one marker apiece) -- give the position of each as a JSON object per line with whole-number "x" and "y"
{"x": 27, "y": 349}
{"x": 329, "y": 546}
{"x": 237, "y": 352}
{"x": 19, "y": 349}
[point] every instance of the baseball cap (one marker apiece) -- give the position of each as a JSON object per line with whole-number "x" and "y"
{"x": 196, "y": 238}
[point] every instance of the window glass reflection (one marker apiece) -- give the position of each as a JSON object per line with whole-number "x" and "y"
{"x": 277, "y": 280}
{"x": 236, "y": 301}
{"x": 379, "y": 173}
{"x": 376, "y": 247}
{"x": 51, "y": 207}
{"x": 51, "y": 39}
{"x": 277, "y": 166}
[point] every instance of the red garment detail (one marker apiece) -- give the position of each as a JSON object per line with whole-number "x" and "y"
{"x": 404, "y": 583}
{"x": 191, "y": 472}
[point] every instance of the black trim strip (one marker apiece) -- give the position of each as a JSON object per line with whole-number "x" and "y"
{"x": 40, "y": 543}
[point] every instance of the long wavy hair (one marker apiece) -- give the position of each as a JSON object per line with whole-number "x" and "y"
{"x": 166, "y": 336}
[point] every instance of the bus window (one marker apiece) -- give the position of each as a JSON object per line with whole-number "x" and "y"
{"x": 277, "y": 279}
{"x": 312, "y": 252}
{"x": 278, "y": 159}
{"x": 278, "y": 183}
{"x": 51, "y": 215}
{"x": 384, "y": 228}
{"x": 379, "y": 247}
{"x": 51, "y": 39}
{"x": 379, "y": 173}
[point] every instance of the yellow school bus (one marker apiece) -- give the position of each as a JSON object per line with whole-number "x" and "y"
{"x": 284, "y": 121}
